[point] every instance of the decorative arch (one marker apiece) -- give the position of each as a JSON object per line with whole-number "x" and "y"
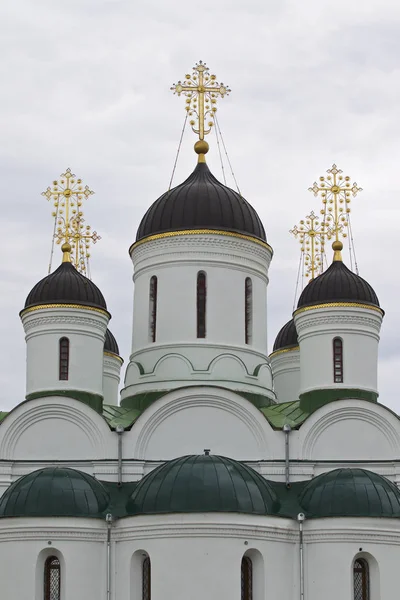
{"x": 38, "y": 412}
{"x": 365, "y": 577}
{"x": 249, "y": 419}
{"x": 140, "y": 576}
{"x": 346, "y": 412}
{"x": 252, "y": 575}
{"x": 50, "y": 579}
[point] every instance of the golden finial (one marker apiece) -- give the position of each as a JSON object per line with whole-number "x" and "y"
{"x": 201, "y": 91}
{"x": 335, "y": 191}
{"x": 68, "y": 194}
{"x": 337, "y": 248}
{"x": 311, "y": 234}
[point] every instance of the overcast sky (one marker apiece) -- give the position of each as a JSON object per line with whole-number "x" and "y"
{"x": 85, "y": 84}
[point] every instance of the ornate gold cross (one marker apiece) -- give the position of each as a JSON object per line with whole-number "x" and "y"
{"x": 312, "y": 234}
{"x": 201, "y": 91}
{"x": 335, "y": 190}
{"x": 68, "y": 194}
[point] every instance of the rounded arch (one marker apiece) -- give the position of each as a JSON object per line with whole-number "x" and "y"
{"x": 198, "y": 411}
{"x": 252, "y": 566}
{"x": 364, "y": 565}
{"x": 44, "y": 555}
{"x": 319, "y": 434}
{"x": 75, "y": 416}
{"x": 225, "y": 359}
{"x": 140, "y": 576}
{"x": 175, "y": 363}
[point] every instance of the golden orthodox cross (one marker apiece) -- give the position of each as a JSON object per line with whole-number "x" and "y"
{"x": 335, "y": 191}
{"x": 311, "y": 234}
{"x": 68, "y": 194}
{"x": 201, "y": 91}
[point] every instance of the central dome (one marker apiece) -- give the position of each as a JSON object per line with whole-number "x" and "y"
{"x": 201, "y": 202}
{"x": 201, "y": 484}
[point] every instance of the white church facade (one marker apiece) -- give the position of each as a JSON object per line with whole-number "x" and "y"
{"x": 218, "y": 472}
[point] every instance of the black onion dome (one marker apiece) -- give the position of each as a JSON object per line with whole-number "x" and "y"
{"x": 66, "y": 286}
{"x": 110, "y": 343}
{"x": 338, "y": 284}
{"x": 287, "y": 337}
{"x": 201, "y": 202}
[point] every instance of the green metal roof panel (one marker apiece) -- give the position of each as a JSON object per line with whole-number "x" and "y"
{"x": 287, "y": 413}
{"x": 54, "y": 492}
{"x": 350, "y": 493}
{"x": 118, "y": 415}
{"x": 203, "y": 484}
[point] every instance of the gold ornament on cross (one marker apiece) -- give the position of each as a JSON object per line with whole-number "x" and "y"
{"x": 68, "y": 194}
{"x": 335, "y": 190}
{"x": 201, "y": 90}
{"x": 311, "y": 234}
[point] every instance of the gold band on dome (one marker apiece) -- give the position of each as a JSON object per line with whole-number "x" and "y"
{"x": 338, "y": 305}
{"x": 113, "y": 355}
{"x": 283, "y": 350}
{"x": 168, "y": 234}
{"x": 80, "y": 306}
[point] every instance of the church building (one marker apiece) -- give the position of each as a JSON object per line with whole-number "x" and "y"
{"x": 200, "y": 467}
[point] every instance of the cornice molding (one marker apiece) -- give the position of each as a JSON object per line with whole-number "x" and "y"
{"x": 338, "y": 305}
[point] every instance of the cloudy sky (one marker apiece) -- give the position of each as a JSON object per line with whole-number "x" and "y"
{"x": 85, "y": 84}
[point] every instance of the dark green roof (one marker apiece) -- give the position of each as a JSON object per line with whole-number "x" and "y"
{"x": 286, "y": 413}
{"x": 200, "y": 484}
{"x": 54, "y": 492}
{"x": 350, "y": 493}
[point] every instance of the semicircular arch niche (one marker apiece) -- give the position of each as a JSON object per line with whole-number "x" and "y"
{"x": 350, "y": 430}
{"x": 53, "y": 429}
{"x": 214, "y": 419}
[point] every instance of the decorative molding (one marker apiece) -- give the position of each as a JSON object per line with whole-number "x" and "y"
{"x": 338, "y": 305}
{"x": 283, "y": 351}
{"x": 64, "y": 320}
{"x": 30, "y": 309}
{"x": 338, "y": 319}
{"x": 113, "y": 356}
{"x": 188, "y": 232}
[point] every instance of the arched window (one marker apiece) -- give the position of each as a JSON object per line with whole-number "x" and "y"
{"x": 64, "y": 359}
{"x": 153, "y": 309}
{"x": 146, "y": 579}
{"x": 201, "y": 304}
{"x": 337, "y": 360}
{"x": 248, "y": 310}
{"x": 247, "y": 579}
{"x": 52, "y": 579}
{"x": 361, "y": 579}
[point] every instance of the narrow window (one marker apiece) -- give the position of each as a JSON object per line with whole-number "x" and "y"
{"x": 201, "y": 304}
{"x": 337, "y": 360}
{"x": 153, "y": 309}
{"x": 52, "y": 579}
{"x": 64, "y": 359}
{"x": 247, "y": 579}
{"x": 248, "y": 312}
{"x": 361, "y": 579}
{"x": 146, "y": 579}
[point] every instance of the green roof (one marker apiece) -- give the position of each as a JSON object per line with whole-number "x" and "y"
{"x": 200, "y": 484}
{"x": 350, "y": 493}
{"x": 287, "y": 413}
{"x": 54, "y": 492}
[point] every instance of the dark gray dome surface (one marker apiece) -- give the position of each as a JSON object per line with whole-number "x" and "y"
{"x": 66, "y": 286}
{"x": 287, "y": 337}
{"x": 110, "y": 343}
{"x": 201, "y": 202}
{"x": 338, "y": 284}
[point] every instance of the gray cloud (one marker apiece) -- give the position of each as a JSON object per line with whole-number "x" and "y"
{"x": 85, "y": 84}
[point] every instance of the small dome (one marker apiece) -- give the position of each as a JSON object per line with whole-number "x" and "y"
{"x": 337, "y": 284}
{"x": 66, "y": 286}
{"x": 350, "y": 493}
{"x": 54, "y": 492}
{"x": 201, "y": 202}
{"x": 287, "y": 337}
{"x": 203, "y": 484}
{"x": 110, "y": 343}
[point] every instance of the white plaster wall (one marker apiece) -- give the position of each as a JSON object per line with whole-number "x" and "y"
{"x": 78, "y": 543}
{"x": 199, "y": 556}
{"x": 85, "y": 330}
{"x": 55, "y": 428}
{"x": 190, "y": 420}
{"x": 111, "y": 378}
{"x": 175, "y": 261}
{"x": 285, "y": 367}
{"x": 359, "y": 329}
